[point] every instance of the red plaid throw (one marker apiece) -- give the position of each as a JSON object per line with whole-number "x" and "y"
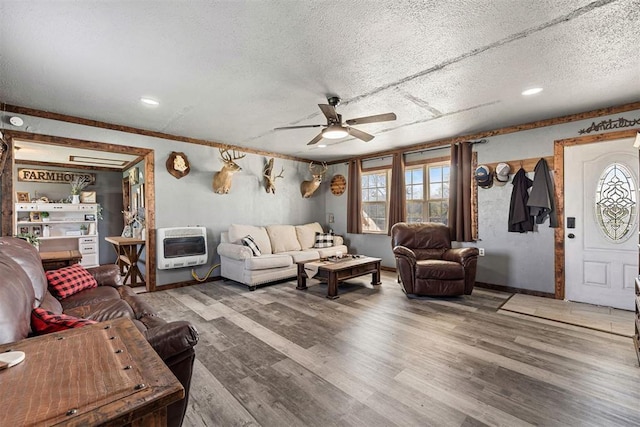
{"x": 66, "y": 281}
{"x": 44, "y": 322}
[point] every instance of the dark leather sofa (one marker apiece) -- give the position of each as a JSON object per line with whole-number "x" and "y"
{"x": 23, "y": 286}
{"x": 426, "y": 263}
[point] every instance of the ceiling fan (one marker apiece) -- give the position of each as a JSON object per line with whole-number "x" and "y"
{"x": 335, "y": 129}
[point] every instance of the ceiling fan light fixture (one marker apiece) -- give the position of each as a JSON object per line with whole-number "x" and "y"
{"x": 334, "y": 132}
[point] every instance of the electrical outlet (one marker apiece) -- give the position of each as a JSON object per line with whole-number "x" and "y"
{"x": 481, "y": 250}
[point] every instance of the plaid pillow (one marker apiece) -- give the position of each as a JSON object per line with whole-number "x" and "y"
{"x": 323, "y": 240}
{"x": 248, "y": 241}
{"x": 44, "y": 322}
{"x": 67, "y": 281}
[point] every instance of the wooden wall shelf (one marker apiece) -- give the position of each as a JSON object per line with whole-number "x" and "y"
{"x": 528, "y": 164}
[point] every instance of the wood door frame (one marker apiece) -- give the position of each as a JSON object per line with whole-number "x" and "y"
{"x": 558, "y": 160}
{"x": 145, "y": 154}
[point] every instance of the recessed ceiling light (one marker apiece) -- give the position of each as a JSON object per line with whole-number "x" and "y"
{"x": 322, "y": 145}
{"x": 532, "y": 91}
{"x": 149, "y": 101}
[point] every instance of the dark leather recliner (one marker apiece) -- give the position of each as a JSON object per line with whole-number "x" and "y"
{"x": 426, "y": 263}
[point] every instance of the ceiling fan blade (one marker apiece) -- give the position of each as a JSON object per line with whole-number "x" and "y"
{"x": 360, "y": 135}
{"x": 298, "y": 127}
{"x": 372, "y": 119}
{"x": 315, "y": 140}
{"x": 330, "y": 112}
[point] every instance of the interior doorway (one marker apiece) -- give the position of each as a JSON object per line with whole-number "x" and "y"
{"x": 140, "y": 155}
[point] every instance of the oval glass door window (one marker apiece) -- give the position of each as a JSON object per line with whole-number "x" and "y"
{"x": 616, "y": 206}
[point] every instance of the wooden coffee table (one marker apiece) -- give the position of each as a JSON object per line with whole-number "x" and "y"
{"x": 340, "y": 270}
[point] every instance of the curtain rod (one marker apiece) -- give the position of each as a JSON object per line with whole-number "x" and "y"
{"x": 481, "y": 141}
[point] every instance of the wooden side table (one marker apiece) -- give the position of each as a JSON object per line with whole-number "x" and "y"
{"x": 102, "y": 374}
{"x": 59, "y": 259}
{"x": 128, "y": 251}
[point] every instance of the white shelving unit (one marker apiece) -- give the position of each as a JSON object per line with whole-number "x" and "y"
{"x": 64, "y": 226}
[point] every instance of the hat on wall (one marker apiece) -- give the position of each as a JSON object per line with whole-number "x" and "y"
{"x": 484, "y": 176}
{"x": 502, "y": 174}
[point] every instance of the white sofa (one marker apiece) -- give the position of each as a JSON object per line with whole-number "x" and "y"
{"x": 281, "y": 247}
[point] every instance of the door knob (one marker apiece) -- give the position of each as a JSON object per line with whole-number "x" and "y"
{"x": 571, "y": 235}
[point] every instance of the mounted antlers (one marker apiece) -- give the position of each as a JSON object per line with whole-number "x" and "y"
{"x": 307, "y": 188}
{"x": 222, "y": 179}
{"x": 270, "y": 180}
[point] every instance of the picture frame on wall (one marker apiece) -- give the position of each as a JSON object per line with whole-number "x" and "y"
{"x": 88, "y": 197}
{"x": 133, "y": 176}
{"x": 23, "y": 197}
{"x": 36, "y": 230}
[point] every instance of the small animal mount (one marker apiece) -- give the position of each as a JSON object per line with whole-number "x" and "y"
{"x": 307, "y": 188}
{"x": 178, "y": 165}
{"x": 270, "y": 180}
{"x": 222, "y": 179}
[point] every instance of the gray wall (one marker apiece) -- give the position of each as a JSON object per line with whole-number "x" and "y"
{"x": 518, "y": 260}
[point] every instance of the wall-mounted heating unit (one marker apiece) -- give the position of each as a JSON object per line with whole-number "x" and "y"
{"x": 181, "y": 247}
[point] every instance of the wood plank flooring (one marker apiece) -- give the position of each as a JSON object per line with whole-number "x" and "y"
{"x": 283, "y": 357}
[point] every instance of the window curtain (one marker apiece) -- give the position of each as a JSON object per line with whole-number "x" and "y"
{"x": 460, "y": 193}
{"x": 397, "y": 192}
{"x": 354, "y": 198}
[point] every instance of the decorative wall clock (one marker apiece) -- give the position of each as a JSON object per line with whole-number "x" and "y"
{"x": 338, "y": 185}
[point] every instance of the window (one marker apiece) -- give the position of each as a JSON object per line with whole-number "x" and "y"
{"x": 428, "y": 192}
{"x": 375, "y": 200}
{"x": 616, "y": 202}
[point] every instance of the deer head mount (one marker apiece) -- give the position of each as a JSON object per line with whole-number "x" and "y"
{"x": 222, "y": 179}
{"x": 270, "y": 180}
{"x": 307, "y": 188}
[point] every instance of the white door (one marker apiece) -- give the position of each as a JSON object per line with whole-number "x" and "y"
{"x": 601, "y": 252}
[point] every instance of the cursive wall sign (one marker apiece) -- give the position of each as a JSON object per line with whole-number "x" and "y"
{"x": 610, "y": 124}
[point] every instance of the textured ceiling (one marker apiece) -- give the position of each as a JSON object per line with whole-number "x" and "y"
{"x": 231, "y": 71}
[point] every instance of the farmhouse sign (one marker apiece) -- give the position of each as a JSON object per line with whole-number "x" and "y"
{"x": 61, "y": 177}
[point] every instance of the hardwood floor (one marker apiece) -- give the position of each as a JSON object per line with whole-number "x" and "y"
{"x": 283, "y": 357}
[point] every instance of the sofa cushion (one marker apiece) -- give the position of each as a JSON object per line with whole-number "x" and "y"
{"x": 259, "y": 234}
{"x": 103, "y": 311}
{"x": 44, "y": 322}
{"x": 16, "y": 301}
{"x": 67, "y": 281}
{"x": 303, "y": 256}
{"x": 90, "y": 296}
{"x": 283, "y": 238}
{"x": 268, "y": 261}
{"x": 436, "y": 269}
{"x": 323, "y": 240}
{"x": 307, "y": 234}
{"x": 51, "y": 304}
{"x": 251, "y": 244}
{"x": 28, "y": 258}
